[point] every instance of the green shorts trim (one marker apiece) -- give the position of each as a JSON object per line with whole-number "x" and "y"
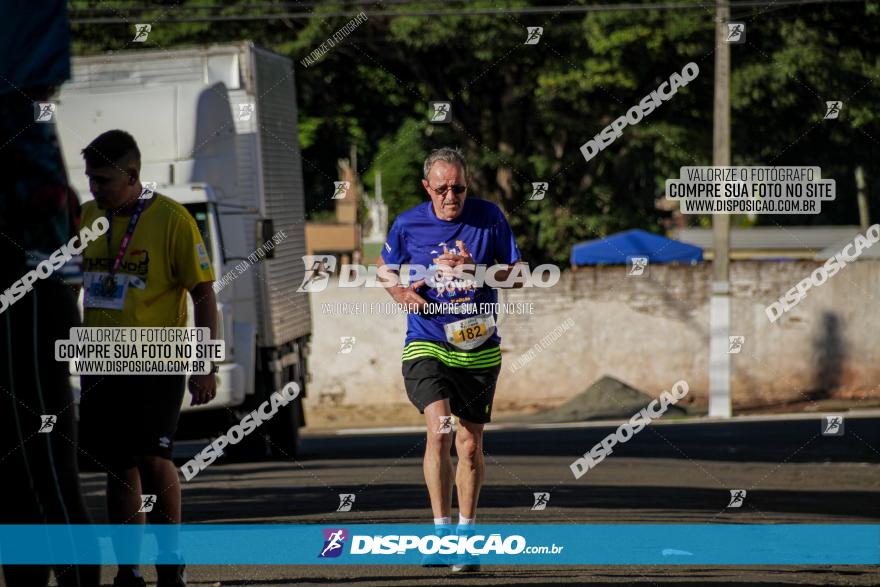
{"x": 478, "y": 359}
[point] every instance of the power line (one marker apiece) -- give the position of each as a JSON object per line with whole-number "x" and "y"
{"x": 528, "y": 10}
{"x": 277, "y": 5}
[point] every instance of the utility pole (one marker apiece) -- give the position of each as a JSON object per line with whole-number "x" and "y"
{"x": 862, "y": 195}
{"x": 720, "y": 404}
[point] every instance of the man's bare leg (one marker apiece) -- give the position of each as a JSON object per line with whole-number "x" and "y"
{"x": 471, "y": 468}
{"x": 437, "y": 465}
{"x": 123, "y": 503}
{"x": 160, "y": 478}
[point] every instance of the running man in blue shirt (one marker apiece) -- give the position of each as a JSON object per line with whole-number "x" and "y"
{"x": 451, "y": 358}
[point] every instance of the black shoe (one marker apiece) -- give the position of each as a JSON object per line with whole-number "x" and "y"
{"x": 128, "y": 579}
{"x": 173, "y": 575}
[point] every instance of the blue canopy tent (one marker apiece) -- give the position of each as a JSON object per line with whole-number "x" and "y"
{"x": 617, "y": 249}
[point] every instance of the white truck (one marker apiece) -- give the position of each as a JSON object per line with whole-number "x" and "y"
{"x": 217, "y": 130}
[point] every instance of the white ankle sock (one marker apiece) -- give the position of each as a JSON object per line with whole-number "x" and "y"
{"x": 444, "y": 521}
{"x": 462, "y": 521}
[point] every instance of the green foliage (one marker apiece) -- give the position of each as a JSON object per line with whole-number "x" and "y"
{"x": 400, "y": 159}
{"x": 521, "y": 112}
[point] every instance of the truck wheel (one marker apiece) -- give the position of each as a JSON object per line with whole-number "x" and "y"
{"x": 284, "y": 431}
{"x": 250, "y": 448}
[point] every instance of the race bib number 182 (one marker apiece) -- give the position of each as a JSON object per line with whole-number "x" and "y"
{"x": 471, "y": 332}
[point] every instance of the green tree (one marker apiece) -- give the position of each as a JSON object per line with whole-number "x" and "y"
{"x": 521, "y": 112}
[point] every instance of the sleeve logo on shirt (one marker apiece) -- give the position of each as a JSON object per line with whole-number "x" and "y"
{"x": 387, "y": 247}
{"x": 203, "y": 256}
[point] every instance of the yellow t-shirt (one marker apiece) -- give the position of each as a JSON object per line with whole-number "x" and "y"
{"x": 164, "y": 260}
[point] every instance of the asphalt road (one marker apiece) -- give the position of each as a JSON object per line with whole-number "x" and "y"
{"x": 670, "y": 472}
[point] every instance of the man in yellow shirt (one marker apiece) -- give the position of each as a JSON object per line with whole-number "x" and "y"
{"x": 138, "y": 275}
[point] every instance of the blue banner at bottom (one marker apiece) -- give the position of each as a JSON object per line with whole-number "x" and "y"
{"x": 404, "y": 544}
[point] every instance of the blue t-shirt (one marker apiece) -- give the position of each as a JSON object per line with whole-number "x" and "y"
{"x": 417, "y": 237}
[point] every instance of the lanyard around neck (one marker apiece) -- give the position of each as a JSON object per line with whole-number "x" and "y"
{"x": 126, "y": 239}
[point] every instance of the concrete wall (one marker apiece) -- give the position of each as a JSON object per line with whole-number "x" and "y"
{"x": 648, "y": 331}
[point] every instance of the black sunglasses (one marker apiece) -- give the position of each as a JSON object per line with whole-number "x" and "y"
{"x": 456, "y": 189}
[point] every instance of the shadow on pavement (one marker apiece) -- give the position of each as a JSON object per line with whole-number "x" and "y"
{"x": 216, "y": 504}
{"x": 797, "y": 441}
{"x": 524, "y": 575}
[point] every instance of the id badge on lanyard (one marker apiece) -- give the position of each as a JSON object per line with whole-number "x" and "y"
{"x": 107, "y": 290}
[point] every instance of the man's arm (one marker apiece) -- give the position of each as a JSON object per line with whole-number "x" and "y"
{"x": 406, "y": 295}
{"x": 205, "y": 304}
{"x": 504, "y": 275}
{"x": 204, "y": 387}
{"x": 464, "y": 265}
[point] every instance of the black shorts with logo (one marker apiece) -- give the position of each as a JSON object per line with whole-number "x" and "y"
{"x": 123, "y": 417}
{"x": 435, "y": 371}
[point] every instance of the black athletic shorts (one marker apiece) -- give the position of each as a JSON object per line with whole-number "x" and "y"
{"x": 435, "y": 371}
{"x": 123, "y": 417}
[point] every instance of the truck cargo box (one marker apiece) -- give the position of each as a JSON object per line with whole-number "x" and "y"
{"x": 224, "y": 115}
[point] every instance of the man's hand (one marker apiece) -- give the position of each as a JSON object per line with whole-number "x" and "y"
{"x": 409, "y": 297}
{"x": 406, "y": 295}
{"x": 451, "y": 261}
{"x": 203, "y": 388}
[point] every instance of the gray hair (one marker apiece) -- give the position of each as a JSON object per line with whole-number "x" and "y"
{"x": 447, "y": 155}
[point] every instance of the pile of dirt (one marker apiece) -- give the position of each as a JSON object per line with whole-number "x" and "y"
{"x": 606, "y": 399}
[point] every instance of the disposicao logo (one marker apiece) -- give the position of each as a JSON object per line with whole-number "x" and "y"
{"x": 334, "y": 541}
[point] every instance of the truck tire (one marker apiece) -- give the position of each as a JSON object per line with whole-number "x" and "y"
{"x": 251, "y": 448}
{"x": 284, "y": 431}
